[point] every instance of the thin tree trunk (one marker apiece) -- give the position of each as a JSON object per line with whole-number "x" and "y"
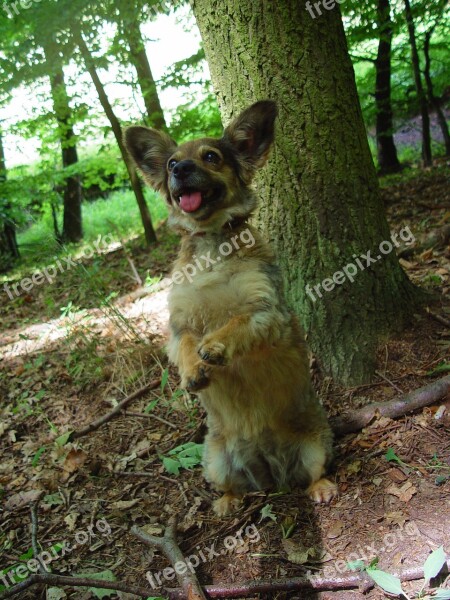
{"x": 387, "y": 153}
{"x": 426, "y": 136}
{"x": 320, "y": 202}
{"x": 138, "y": 57}
{"x": 8, "y": 242}
{"x": 435, "y": 102}
{"x": 72, "y": 230}
{"x": 150, "y": 236}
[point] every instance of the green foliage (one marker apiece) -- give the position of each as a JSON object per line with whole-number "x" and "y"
{"x": 197, "y": 120}
{"x": 392, "y": 585}
{"x": 186, "y": 456}
{"x": 267, "y": 513}
{"x": 98, "y": 592}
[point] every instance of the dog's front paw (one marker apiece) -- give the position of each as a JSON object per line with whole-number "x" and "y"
{"x": 323, "y": 490}
{"x": 196, "y": 379}
{"x": 212, "y": 353}
{"x": 227, "y": 504}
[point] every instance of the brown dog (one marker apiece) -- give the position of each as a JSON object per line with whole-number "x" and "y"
{"x": 232, "y": 337}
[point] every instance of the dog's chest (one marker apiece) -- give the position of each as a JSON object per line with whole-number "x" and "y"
{"x": 211, "y": 296}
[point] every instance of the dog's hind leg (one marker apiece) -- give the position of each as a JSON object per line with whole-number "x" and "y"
{"x": 315, "y": 460}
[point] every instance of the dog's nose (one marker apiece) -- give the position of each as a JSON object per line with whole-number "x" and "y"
{"x": 183, "y": 169}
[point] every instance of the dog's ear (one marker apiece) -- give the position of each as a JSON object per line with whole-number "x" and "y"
{"x": 251, "y": 135}
{"x": 150, "y": 150}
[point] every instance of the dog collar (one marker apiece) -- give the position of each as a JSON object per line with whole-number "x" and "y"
{"x": 233, "y": 224}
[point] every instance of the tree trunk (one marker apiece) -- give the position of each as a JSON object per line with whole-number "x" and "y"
{"x": 150, "y": 236}
{"x": 320, "y": 203}
{"x": 72, "y": 220}
{"x": 9, "y": 250}
{"x": 426, "y": 137}
{"x": 387, "y": 153}
{"x": 435, "y": 102}
{"x": 138, "y": 57}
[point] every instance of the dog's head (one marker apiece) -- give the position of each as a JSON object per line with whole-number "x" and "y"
{"x": 207, "y": 181}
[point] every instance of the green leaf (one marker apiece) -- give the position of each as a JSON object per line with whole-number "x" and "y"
{"x": 442, "y": 368}
{"x": 63, "y": 439}
{"x": 28, "y": 554}
{"x": 164, "y": 379}
{"x": 434, "y": 563}
{"x": 440, "y": 479}
{"x": 356, "y": 565}
{"x": 102, "y": 576}
{"x": 390, "y": 455}
{"x": 185, "y": 456}
{"x": 386, "y": 581}
{"x": 171, "y": 465}
{"x": 151, "y": 405}
{"x": 53, "y": 499}
{"x": 442, "y": 594}
{"x": 266, "y": 513}
{"x": 38, "y": 455}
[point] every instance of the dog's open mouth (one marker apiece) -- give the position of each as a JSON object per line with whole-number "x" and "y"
{"x": 190, "y": 201}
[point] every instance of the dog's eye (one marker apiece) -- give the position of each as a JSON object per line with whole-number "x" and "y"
{"x": 211, "y": 157}
{"x": 172, "y": 162}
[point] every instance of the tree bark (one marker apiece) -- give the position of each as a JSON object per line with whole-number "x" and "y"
{"x": 320, "y": 202}
{"x": 9, "y": 249}
{"x": 129, "y": 17}
{"x": 387, "y": 153}
{"x": 421, "y": 97}
{"x": 150, "y": 236}
{"x": 435, "y": 102}
{"x": 72, "y": 220}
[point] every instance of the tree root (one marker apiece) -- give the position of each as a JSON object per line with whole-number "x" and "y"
{"x": 341, "y": 582}
{"x": 424, "y": 396}
{"x": 190, "y": 586}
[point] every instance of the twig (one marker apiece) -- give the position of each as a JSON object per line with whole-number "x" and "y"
{"x": 398, "y": 407}
{"x": 394, "y": 385}
{"x": 439, "y": 318}
{"x": 151, "y": 416}
{"x": 61, "y": 580}
{"x": 134, "y": 474}
{"x": 34, "y": 532}
{"x": 115, "y": 411}
{"x": 314, "y": 582}
{"x": 190, "y": 586}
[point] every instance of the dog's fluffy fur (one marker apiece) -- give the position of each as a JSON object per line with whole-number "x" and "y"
{"x": 232, "y": 336}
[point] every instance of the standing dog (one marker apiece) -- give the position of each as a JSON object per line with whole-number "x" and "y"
{"x": 232, "y": 336}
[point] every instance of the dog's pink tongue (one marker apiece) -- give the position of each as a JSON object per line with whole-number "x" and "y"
{"x": 191, "y": 202}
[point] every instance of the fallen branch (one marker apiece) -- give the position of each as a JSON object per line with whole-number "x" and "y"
{"x": 115, "y": 411}
{"x": 190, "y": 586}
{"x": 341, "y": 582}
{"x": 424, "y": 396}
{"x": 34, "y": 533}
{"x": 62, "y": 580}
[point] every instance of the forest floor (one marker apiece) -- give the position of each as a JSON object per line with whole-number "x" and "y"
{"x": 61, "y": 370}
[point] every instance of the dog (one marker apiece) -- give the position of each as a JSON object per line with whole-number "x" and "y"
{"x": 232, "y": 336}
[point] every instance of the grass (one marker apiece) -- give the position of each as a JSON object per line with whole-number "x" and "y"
{"x": 118, "y": 214}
